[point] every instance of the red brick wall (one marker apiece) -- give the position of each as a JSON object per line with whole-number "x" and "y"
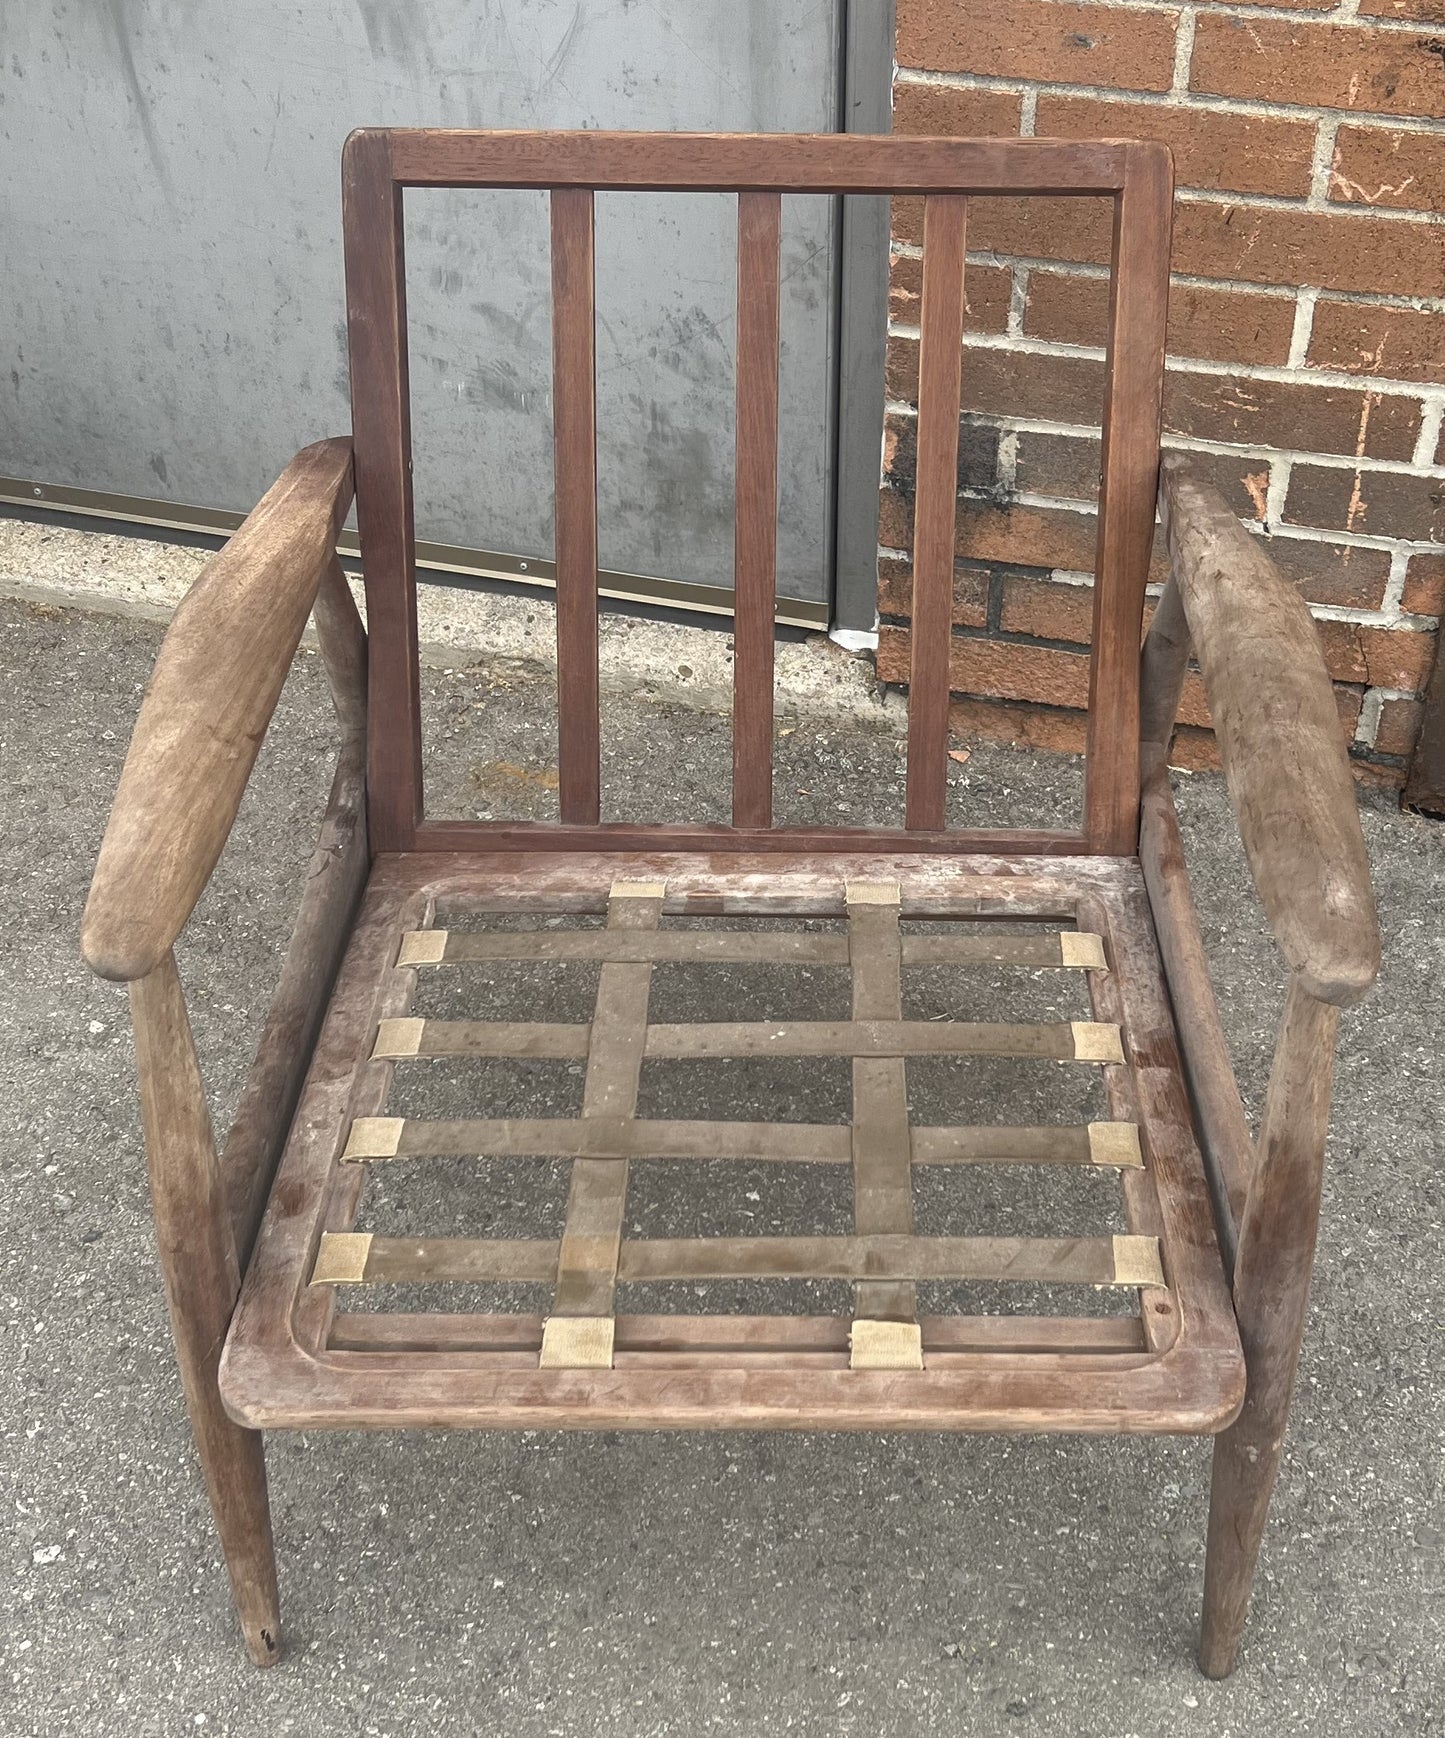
{"x": 1307, "y": 333}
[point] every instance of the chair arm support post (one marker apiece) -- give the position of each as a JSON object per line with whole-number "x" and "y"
{"x": 1225, "y": 1138}
{"x": 216, "y": 681}
{"x": 1272, "y": 1270}
{"x": 1161, "y": 672}
{"x": 342, "y": 640}
{"x": 335, "y": 878}
{"x": 1281, "y": 1215}
{"x": 1278, "y": 730}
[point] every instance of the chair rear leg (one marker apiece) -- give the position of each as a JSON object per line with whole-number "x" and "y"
{"x": 1271, "y": 1297}
{"x": 198, "y": 1261}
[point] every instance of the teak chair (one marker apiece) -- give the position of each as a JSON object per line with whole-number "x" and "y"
{"x": 258, "y": 1245}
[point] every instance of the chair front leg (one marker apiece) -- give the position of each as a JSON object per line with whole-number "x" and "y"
{"x": 1271, "y": 1295}
{"x": 198, "y": 1261}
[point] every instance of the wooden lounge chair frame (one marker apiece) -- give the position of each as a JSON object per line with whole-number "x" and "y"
{"x": 1221, "y": 1223}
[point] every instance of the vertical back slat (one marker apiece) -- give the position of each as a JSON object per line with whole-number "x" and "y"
{"x": 1138, "y": 308}
{"x": 381, "y": 418}
{"x": 755, "y": 543}
{"x": 940, "y": 373}
{"x": 574, "y": 437}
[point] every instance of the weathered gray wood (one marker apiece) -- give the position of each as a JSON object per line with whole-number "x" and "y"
{"x": 385, "y": 1138}
{"x": 1163, "y": 665}
{"x": 380, "y": 1332}
{"x": 198, "y": 1262}
{"x": 1059, "y": 1041}
{"x": 335, "y": 877}
{"x": 1271, "y": 1295}
{"x": 597, "y": 1196}
{"x": 882, "y": 1138}
{"x": 343, "y": 646}
{"x": 1125, "y": 1261}
{"x": 1213, "y": 1091}
{"x": 1278, "y": 729}
{"x": 215, "y": 685}
{"x": 718, "y": 947}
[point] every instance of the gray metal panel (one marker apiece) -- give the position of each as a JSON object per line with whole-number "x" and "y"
{"x": 173, "y": 258}
{"x": 863, "y": 325}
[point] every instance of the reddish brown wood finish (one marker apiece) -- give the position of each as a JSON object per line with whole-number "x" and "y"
{"x": 756, "y": 536}
{"x": 761, "y": 163}
{"x": 1271, "y": 1294}
{"x": 381, "y": 416}
{"x": 198, "y": 1261}
{"x": 1224, "y": 1129}
{"x": 205, "y": 714}
{"x": 940, "y": 371}
{"x": 626, "y": 836}
{"x": 1138, "y": 307}
{"x": 759, "y": 170}
{"x": 334, "y": 880}
{"x": 574, "y": 422}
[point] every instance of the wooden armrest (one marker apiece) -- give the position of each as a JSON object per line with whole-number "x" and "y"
{"x": 1278, "y": 729}
{"x": 216, "y": 681}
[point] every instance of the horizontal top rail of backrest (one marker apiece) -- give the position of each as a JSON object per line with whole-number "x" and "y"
{"x": 378, "y": 163}
{"x": 751, "y": 163}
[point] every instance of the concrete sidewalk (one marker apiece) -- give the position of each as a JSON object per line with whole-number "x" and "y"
{"x": 595, "y": 1585}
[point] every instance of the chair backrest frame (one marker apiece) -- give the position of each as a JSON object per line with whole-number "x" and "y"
{"x": 379, "y": 163}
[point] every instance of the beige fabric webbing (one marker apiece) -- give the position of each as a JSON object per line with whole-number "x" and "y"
{"x": 885, "y": 1345}
{"x": 342, "y": 1258}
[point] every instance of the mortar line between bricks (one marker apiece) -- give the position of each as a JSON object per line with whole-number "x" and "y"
{"x": 1398, "y": 620}
{"x": 1189, "y": 443}
{"x": 1389, "y": 612}
{"x": 1322, "y": 163}
{"x": 1183, "y": 53}
{"x": 1018, "y": 302}
{"x": 1190, "y": 280}
{"x": 1393, "y": 601}
{"x": 1324, "y": 612}
{"x": 1304, "y": 320}
{"x": 1432, "y": 410}
{"x": 997, "y": 636}
{"x": 1012, "y": 85}
{"x": 1280, "y": 472}
{"x": 1367, "y": 726}
{"x": 1028, "y": 113}
{"x": 1075, "y": 576}
{"x": 1338, "y": 16}
{"x": 1336, "y": 209}
{"x": 1008, "y": 459}
{"x": 1380, "y": 618}
{"x": 1273, "y": 373}
{"x": 1286, "y": 532}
